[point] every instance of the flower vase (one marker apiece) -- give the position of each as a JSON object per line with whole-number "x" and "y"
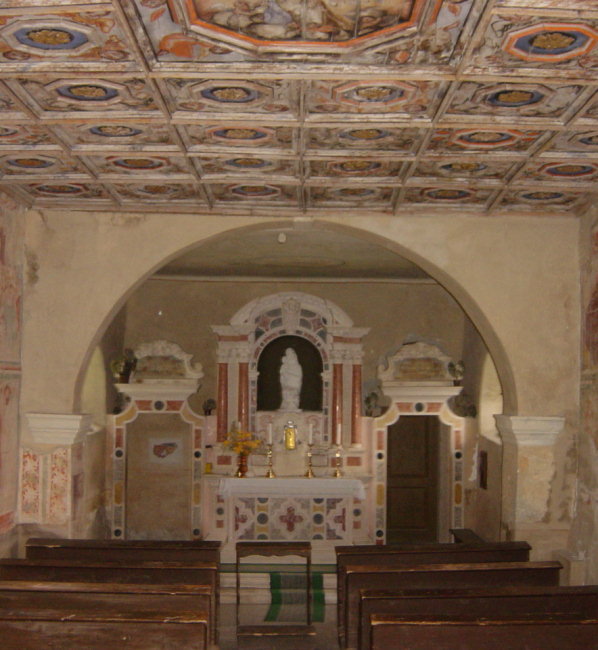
{"x": 241, "y": 466}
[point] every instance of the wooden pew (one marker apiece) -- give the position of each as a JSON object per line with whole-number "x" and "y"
{"x": 551, "y": 631}
{"x": 150, "y": 573}
{"x": 479, "y": 603}
{"x": 69, "y": 621}
{"x": 198, "y": 598}
{"x": 411, "y": 554}
{"x": 117, "y": 550}
{"x": 437, "y": 576}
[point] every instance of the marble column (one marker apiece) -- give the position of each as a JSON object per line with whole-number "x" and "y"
{"x": 337, "y": 401}
{"x": 529, "y": 467}
{"x": 356, "y": 405}
{"x": 222, "y": 406}
{"x": 243, "y": 396}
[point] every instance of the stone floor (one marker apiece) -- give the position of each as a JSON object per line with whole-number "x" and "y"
{"x": 324, "y": 639}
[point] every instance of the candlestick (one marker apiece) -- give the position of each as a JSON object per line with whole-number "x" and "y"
{"x": 310, "y": 437}
{"x": 269, "y": 433}
{"x": 270, "y": 472}
{"x": 310, "y": 472}
{"x": 337, "y": 460}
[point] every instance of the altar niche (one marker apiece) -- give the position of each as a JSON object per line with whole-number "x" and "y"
{"x": 269, "y": 393}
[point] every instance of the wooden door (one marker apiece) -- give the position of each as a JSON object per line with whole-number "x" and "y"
{"x": 412, "y": 480}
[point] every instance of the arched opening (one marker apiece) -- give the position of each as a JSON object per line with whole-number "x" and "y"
{"x": 269, "y": 396}
{"x": 394, "y": 298}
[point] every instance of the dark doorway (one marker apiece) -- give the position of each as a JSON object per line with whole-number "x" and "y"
{"x": 412, "y": 480}
{"x": 269, "y": 395}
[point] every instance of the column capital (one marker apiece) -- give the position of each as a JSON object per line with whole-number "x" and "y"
{"x": 58, "y": 429}
{"x": 529, "y": 431}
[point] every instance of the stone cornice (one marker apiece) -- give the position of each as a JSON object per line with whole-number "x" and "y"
{"x": 529, "y": 431}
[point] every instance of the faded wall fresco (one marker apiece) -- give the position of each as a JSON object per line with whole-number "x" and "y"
{"x": 585, "y": 539}
{"x": 11, "y": 243}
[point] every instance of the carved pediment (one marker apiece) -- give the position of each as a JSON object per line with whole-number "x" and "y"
{"x": 417, "y": 363}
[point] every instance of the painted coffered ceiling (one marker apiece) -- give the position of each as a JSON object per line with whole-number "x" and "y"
{"x": 300, "y": 106}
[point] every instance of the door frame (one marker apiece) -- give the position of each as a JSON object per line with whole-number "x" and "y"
{"x": 424, "y": 400}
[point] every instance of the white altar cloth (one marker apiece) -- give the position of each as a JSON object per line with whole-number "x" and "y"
{"x": 290, "y": 486}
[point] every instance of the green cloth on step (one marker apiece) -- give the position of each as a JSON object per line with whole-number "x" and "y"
{"x": 288, "y": 592}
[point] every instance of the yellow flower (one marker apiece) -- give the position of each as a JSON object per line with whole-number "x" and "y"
{"x": 242, "y": 442}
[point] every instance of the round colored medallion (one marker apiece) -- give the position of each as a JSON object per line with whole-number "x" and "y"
{"x": 356, "y": 166}
{"x": 248, "y": 163}
{"x": 447, "y": 194}
{"x": 364, "y": 134}
{"x": 542, "y": 196}
{"x": 59, "y": 189}
{"x": 50, "y": 38}
{"x": 115, "y": 131}
{"x": 249, "y": 191}
{"x": 380, "y": 94}
{"x": 30, "y": 163}
{"x": 513, "y": 98}
{"x": 230, "y": 94}
{"x": 138, "y": 163}
{"x": 88, "y": 92}
{"x": 237, "y": 133}
{"x": 463, "y": 167}
{"x": 551, "y": 42}
{"x": 570, "y": 170}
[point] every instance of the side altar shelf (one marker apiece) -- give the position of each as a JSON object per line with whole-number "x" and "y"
{"x": 289, "y": 486}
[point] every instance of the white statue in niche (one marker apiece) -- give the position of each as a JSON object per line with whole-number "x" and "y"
{"x": 291, "y": 376}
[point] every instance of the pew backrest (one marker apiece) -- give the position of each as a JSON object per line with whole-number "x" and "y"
{"x": 200, "y": 598}
{"x": 439, "y": 576}
{"x": 151, "y": 573}
{"x": 40, "y": 548}
{"x": 77, "y": 620}
{"x": 542, "y": 631}
{"x": 482, "y": 602}
{"x": 429, "y": 553}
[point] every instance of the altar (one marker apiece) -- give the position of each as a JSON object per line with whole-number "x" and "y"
{"x": 325, "y": 510}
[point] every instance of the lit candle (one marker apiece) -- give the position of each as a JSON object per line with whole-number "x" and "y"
{"x": 338, "y": 434}
{"x": 310, "y": 438}
{"x": 269, "y": 433}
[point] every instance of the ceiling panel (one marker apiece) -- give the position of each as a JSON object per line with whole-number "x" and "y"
{"x": 300, "y": 106}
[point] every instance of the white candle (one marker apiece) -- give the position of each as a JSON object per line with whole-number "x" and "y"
{"x": 310, "y": 438}
{"x": 338, "y": 434}
{"x": 269, "y": 433}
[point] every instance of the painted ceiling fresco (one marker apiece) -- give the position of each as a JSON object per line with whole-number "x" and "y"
{"x": 286, "y": 106}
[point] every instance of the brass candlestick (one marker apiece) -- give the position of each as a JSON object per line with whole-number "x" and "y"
{"x": 310, "y": 472}
{"x": 337, "y": 460}
{"x": 270, "y": 472}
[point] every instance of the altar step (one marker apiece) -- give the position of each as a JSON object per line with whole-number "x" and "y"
{"x": 255, "y": 582}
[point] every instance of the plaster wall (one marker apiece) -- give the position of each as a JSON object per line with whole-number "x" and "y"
{"x": 11, "y": 277}
{"x": 184, "y": 311}
{"x": 584, "y": 538}
{"x": 517, "y": 278}
{"x": 531, "y": 300}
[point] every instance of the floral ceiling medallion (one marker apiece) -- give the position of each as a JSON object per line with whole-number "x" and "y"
{"x": 302, "y": 25}
{"x": 551, "y": 41}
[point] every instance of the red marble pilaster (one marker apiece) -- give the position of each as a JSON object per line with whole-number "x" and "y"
{"x": 356, "y": 405}
{"x": 243, "y": 396}
{"x": 337, "y": 400}
{"x": 222, "y": 407}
